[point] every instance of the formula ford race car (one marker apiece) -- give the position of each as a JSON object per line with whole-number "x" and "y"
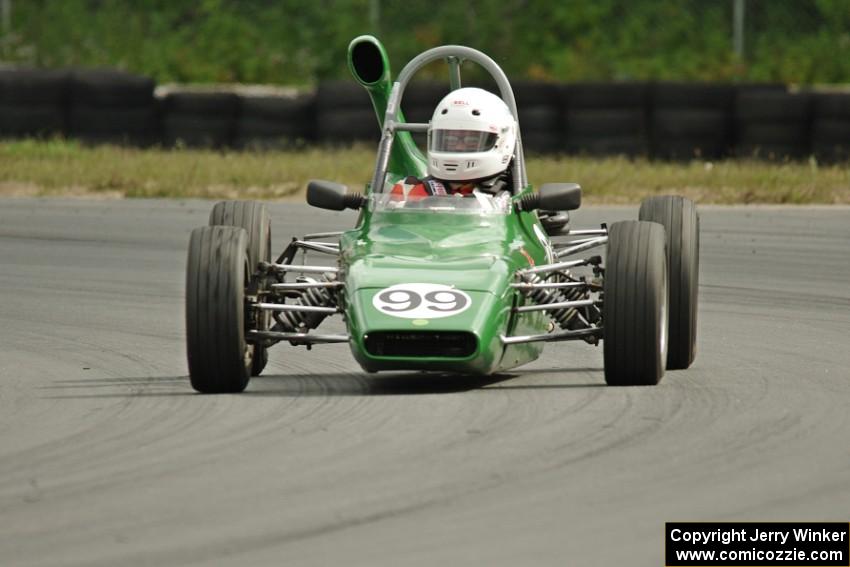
{"x": 471, "y": 285}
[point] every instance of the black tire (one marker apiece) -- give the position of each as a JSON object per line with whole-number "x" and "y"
{"x": 267, "y": 122}
{"x": 693, "y": 96}
{"x": 679, "y": 218}
{"x": 110, "y": 87}
{"x": 606, "y": 122}
{"x": 634, "y": 311}
{"x": 791, "y": 133}
{"x": 197, "y": 131}
{"x": 341, "y": 94}
{"x": 219, "y": 358}
{"x": 698, "y": 123}
{"x": 688, "y": 133}
{"x": 606, "y": 95}
{"x": 254, "y": 218}
{"x": 761, "y": 88}
{"x": 831, "y": 127}
{"x": 831, "y": 131}
{"x": 85, "y": 119}
{"x": 540, "y": 119}
{"x": 543, "y": 142}
{"x": 31, "y": 120}
{"x": 346, "y": 125}
{"x": 831, "y": 140}
{"x": 773, "y": 141}
{"x": 418, "y": 114}
{"x": 426, "y": 94}
{"x": 535, "y": 93}
{"x": 774, "y": 106}
{"x": 212, "y": 104}
{"x": 278, "y": 108}
{"x": 832, "y": 105}
{"x": 249, "y": 128}
{"x": 772, "y": 125}
{"x": 33, "y": 87}
{"x": 625, "y": 145}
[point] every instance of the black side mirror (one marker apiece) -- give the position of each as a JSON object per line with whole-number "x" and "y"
{"x": 560, "y": 196}
{"x": 553, "y": 197}
{"x": 332, "y": 196}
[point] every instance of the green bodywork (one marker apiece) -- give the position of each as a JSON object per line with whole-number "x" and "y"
{"x": 476, "y": 253}
{"x": 405, "y": 159}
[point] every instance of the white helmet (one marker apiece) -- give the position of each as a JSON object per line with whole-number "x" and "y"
{"x": 472, "y": 136}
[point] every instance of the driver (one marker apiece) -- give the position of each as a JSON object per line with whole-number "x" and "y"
{"x": 471, "y": 141}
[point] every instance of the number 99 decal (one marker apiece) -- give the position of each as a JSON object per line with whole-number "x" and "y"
{"x": 421, "y": 301}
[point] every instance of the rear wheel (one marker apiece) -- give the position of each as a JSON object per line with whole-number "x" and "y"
{"x": 217, "y": 271}
{"x": 254, "y": 218}
{"x": 679, "y": 217}
{"x": 634, "y": 311}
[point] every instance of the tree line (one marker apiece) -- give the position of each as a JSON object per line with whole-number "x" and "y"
{"x": 300, "y": 42}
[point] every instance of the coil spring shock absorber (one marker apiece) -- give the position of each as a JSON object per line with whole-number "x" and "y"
{"x": 563, "y": 316}
{"x": 298, "y": 321}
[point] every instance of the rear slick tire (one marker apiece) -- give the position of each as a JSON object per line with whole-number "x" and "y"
{"x": 635, "y": 304}
{"x": 679, "y": 218}
{"x": 254, "y": 218}
{"x": 219, "y": 358}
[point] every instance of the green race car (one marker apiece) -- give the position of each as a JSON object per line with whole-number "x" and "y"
{"x": 450, "y": 284}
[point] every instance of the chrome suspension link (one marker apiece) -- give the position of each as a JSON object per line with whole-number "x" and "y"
{"x": 541, "y": 294}
{"x": 314, "y": 300}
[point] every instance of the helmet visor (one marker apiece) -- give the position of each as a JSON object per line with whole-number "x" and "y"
{"x": 462, "y": 141}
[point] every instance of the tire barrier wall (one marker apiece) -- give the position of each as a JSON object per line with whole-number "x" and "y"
{"x": 106, "y": 106}
{"x": 268, "y": 122}
{"x": 831, "y": 127}
{"x": 772, "y": 124}
{"x": 199, "y": 119}
{"x": 606, "y": 119}
{"x": 691, "y": 120}
{"x": 33, "y": 102}
{"x": 656, "y": 120}
{"x": 344, "y": 114}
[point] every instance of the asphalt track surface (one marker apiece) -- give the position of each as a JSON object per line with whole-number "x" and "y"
{"x": 108, "y": 458}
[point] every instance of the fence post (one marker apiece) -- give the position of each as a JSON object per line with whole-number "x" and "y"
{"x": 738, "y": 27}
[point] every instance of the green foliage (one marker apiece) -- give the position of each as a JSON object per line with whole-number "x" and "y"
{"x": 300, "y": 41}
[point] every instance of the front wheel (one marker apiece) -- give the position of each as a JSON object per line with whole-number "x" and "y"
{"x": 634, "y": 304}
{"x": 220, "y": 360}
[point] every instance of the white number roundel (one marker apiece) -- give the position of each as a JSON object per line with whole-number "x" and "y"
{"x": 421, "y": 301}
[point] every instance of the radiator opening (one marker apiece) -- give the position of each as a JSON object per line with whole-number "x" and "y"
{"x": 442, "y": 344}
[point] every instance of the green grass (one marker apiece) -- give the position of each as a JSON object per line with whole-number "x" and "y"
{"x": 65, "y": 168}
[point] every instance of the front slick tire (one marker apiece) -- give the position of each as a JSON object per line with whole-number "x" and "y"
{"x": 634, "y": 310}
{"x": 216, "y": 273}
